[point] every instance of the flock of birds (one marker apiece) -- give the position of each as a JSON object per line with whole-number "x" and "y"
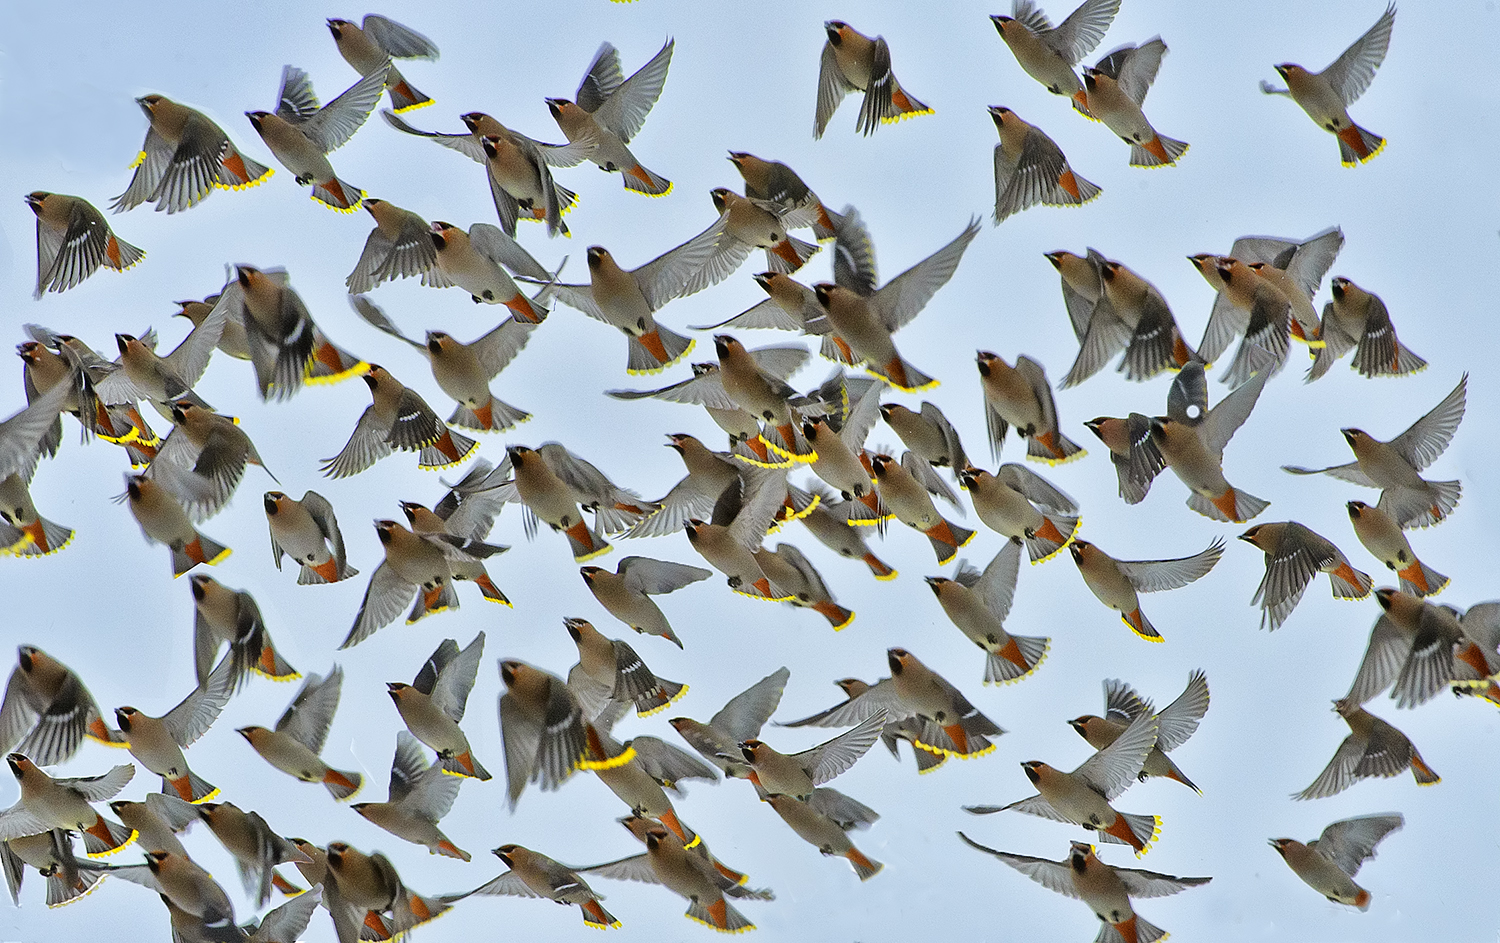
{"x": 733, "y": 495}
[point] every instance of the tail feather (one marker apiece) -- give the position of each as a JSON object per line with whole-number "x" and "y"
{"x": 493, "y": 416}
{"x": 189, "y": 788}
{"x": 1349, "y": 583}
{"x": 720, "y": 916}
{"x": 63, "y": 889}
{"x": 596, "y": 916}
{"x": 43, "y": 537}
{"x": 1017, "y": 658}
{"x": 330, "y": 363}
{"x": 1158, "y": 152}
{"x": 641, "y": 180}
{"x": 1137, "y": 831}
{"x": 878, "y": 567}
{"x": 1045, "y": 542}
{"x": 946, "y": 538}
{"x": 1176, "y": 775}
{"x": 837, "y": 615}
{"x": 1356, "y": 145}
{"x": 1424, "y": 775}
{"x": 104, "y": 837}
{"x": 449, "y": 450}
{"x": 584, "y": 543}
{"x": 863, "y": 866}
{"x": 464, "y": 764}
{"x": 404, "y": 97}
{"x": 1422, "y": 580}
{"x": 1142, "y": 626}
{"x": 1232, "y": 505}
{"x": 342, "y": 785}
{"x": 903, "y": 376}
{"x": 339, "y": 194}
{"x": 1053, "y": 447}
{"x": 656, "y": 350}
{"x": 789, "y": 255}
{"x": 273, "y": 666}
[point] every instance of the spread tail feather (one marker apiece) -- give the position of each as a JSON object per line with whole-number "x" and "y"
{"x": 720, "y": 916}
{"x": 494, "y": 416}
{"x": 464, "y": 764}
{"x": 342, "y": 785}
{"x": 596, "y": 916}
{"x": 1056, "y": 532}
{"x": 339, "y": 194}
{"x": 1356, "y": 145}
{"x": 1422, "y": 580}
{"x": 946, "y": 538}
{"x": 878, "y": 567}
{"x": 1158, "y": 152}
{"x": 863, "y": 866}
{"x": 189, "y": 788}
{"x": 584, "y": 543}
{"x": 641, "y": 180}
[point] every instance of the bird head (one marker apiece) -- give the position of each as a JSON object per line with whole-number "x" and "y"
{"x": 1079, "y": 549}
{"x": 999, "y": 113}
{"x": 200, "y": 583}
{"x": 337, "y": 27}
{"x": 505, "y": 853}
{"x": 720, "y": 196}
{"x": 724, "y": 344}
{"x": 124, "y": 715}
{"x": 751, "y": 749}
{"x": 1080, "y": 725}
{"x": 397, "y": 689}
{"x": 148, "y": 103}
{"x": 1386, "y": 597}
{"x": 937, "y": 583}
{"x": 272, "y": 501}
{"x": 256, "y": 118}
{"x": 1033, "y": 770}
{"x": 1338, "y": 285}
{"x": 558, "y": 106}
{"x": 18, "y": 764}
{"x": 835, "y": 30}
{"x": 824, "y": 291}
{"x": 896, "y": 658}
{"x": 1280, "y": 844}
{"x": 1356, "y": 509}
{"x": 384, "y": 529}
{"x": 986, "y": 361}
{"x": 575, "y": 627}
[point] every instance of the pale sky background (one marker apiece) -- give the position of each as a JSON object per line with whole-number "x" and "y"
{"x": 1420, "y": 225}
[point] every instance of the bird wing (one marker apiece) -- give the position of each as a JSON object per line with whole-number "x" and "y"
{"x": 996, "y": 586}
{"x": 310, "y": 714}
{"x": 1053, "y": 875}
{"x": 667, "y": 764}
{"x": 385, "y": 597}
{"x": 1138, "y": 68}
{"x": 416, "y": 424}
{"x": 1152, "y": 576}
{"x": 407, "y": 766}
{"x": 366, "y": 445}
{"x": 492, "y": 242}
{"x": 706, "y": 389}
{"x": 1179, "y": 720}
{"x": 191, "y": 719}
{"x": 903, "y": 297}
{"x": 832, "y": 87}
{"x": 463, "y": 143}
{"x": 1339, "y": 774}
{"x": 600, "y": 79}
{"x": 832, "y": 757}
{"x": 1349, "y": 843}
{"x": 99, "y": 788}
{"x": 1113, "y": 769}
{"x": 1139, "y": 883}
{"x": 1076, "y": 36}
{"x": 1388, "y": 650}
{"x": 1036, "y": 489}
{"x": 634, "y": 868}
{"x": 1353, "y": 71}
{"x": 742, "y": 717}
{"x": 190, "y": 358}
{"x": 1429, "y": 436}
{"x": 1231, "y": 412}
{"x": 496, "y": 349}
{"x": 335, "y": 123}
{"x": 397, "y": 41}
{"x": 295, "y": 100}
{"x": 1122, "y": 704}
{"x": 670, "y": 274}
{"x": 657, "y": 577}
{"x": 625, "y": 109}
{"x": 450, "y": 690}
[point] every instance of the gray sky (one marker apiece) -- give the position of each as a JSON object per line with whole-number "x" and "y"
{"x": 744, "y": 78}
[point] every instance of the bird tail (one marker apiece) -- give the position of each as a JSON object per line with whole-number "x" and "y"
{"x": 189, "y": 788}
{"x": 447, "y": 849}
{"x": 1071, "y": 190}
{"x": 903, "y": 376}
{"x": 1349, "y": 583}
{"x": 1054, "y": 448}
{"x": 594, "y": 915}
{"x": 585, "y": 544}
{"x": 720, "y": 916}
{"x": 1157, "y": 152}
{"x": 284, "y": 886}
{"x": 946, "y": 538}
{"x": 1017, "y": 658}
{"x": 330, "y": 363}
{"x": 641, "y": 180}
{"x": 238, "y": 172}
{"x": 1232, "y": 505}
{"x": 120, "y": 255}
{"x": 199, "y": 550}
{"x": 826, "y": 224}
{"x": 270, "y": 664}
{"x": 419, "y": 910}
{"x": 488, "y": 588}
{"x": 464, "y": 764}
{"x": 655, "y": 351}
{"x": 1056, "y": 532}
{"x": 43, "y": 537}
{"x": 342, "y": 785}
{"x": 404, "y": 97}
{"x": 1356, "y": 145}
{"x": 863, "y": 866}
{"x": 1421, "y": 579}
{"x": 878, "y": 567}
{"x": 104, "y": 837}
{"x": 1137, "y": 831}
{"x": 64, "y": 888}
{"x": 1134, "y": 930}
{"x": 837, "y": 349}
{"x": 789, "y": 255}
{"x": 903, "y": 106}
{"x": 494, "y": 416}
{"x": 430, "y": 602}
{"x": 1176, "y": 775}
{"x": 339, "y": 195}
{"x": 837, "y": 616}
{"x": 1424, "y": 775}
{"x": 665, "y": 694}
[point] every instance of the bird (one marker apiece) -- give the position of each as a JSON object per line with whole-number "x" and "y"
{"x": 1257, "y": 306}
{"x": 553, "y": 484}
{"x": 729, "y": 539}
{"x": 198, "y": 906}
{"x": 854, "y": 62}
{"x": 308, "y": 532}
{"x": 977, "y": 603}
{"x": 51, "y": 854}
{"x": 157, "y": 742}
{"x": 1327, "y": 95}
{"x": 1393, "y": 466}
{"x": 1416, "y": 649}
{"x": 46, "y": 803}
{"x": 400, "y": 246}
{"x": 397, "y": 418}
{"x": 464, "y": 371}
{"x": 1116, "y": 583}
{"x": 140, "y": 373}
{"x": 640, "y": 771}
{"x": 1083, "y": 796}
{"x": 755, "y": 381}
{"x": 1357, "y": 319}
{"x": 863, "y": 317}
{"x": 705, "y": 388}
{"x": 789, "y": 570}
{"x": 184, "y": 159}
{"x": 609, "y": 109}
{"x": 477, "y": 262}
{"x": 419, "y": 796}
{"x": 1106, "y": 889}
{"x": 626, "y": 593}
{"x": 1373, "y": 748}
{"x": 1113, "y": 309}
{"x": 463, "y": 515}
{"x": 907, "y": 498}
{"x": 541, "y": 723}
{"x": 24, "y": 532}
{"x": 737, "y": 721}
{"x": 516, "y": 166}
{"x": 829, "y": 523}
{"x": 947, "y": 723}
{"x": 301, "y": 135}
{"x": 533, "y": 874}
{"x": 709, "y": 473}
{"x": 433, "y": 705}
{"x": 1132, "y": 451}
{"x": 163, "y": 521}
{"x": 843, "y": 463}
{"x": 255, "y": 847}
{"x": 1030, "y": 168}
{"x": 284, "y": 345}
{"x": 1294, "y": 555}
{"x": 1175, "y": 723}
{"x": 775, "y": 182}
{"x": 73, "y": 241}
{"x": 667, "y": 863}
{"x": 1385, "y": 540}
{"x": 1020, "y": 396}
{"x": 221, "y": 615}
{"x": 202, "y": 460}
{"x": 1049, "y": 53}
{"x": 928, "y": 433}
{"x": 417, "y": 565}
{"x": 366, "y": 888}
{"x": 610, "y": 678}
{"x": 823, "y": 819}
{"x": 47, "y": 711}
{"x": 1018, "y": 503}
{"x": 1191, "y": 440}
{"x": 729, "y": 881}
{"x": 1114, "y": 91}
{"x": 1329, "y": 863}
{"x": 373, "y": 43}
{"x": 294, "y": 746}
{"x": 628, "y": 299}
{"x": 157, "y": 821}
{"x": 747, "y": 224}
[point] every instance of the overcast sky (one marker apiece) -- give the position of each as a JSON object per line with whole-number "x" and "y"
{"x": 1420, "y": 228}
